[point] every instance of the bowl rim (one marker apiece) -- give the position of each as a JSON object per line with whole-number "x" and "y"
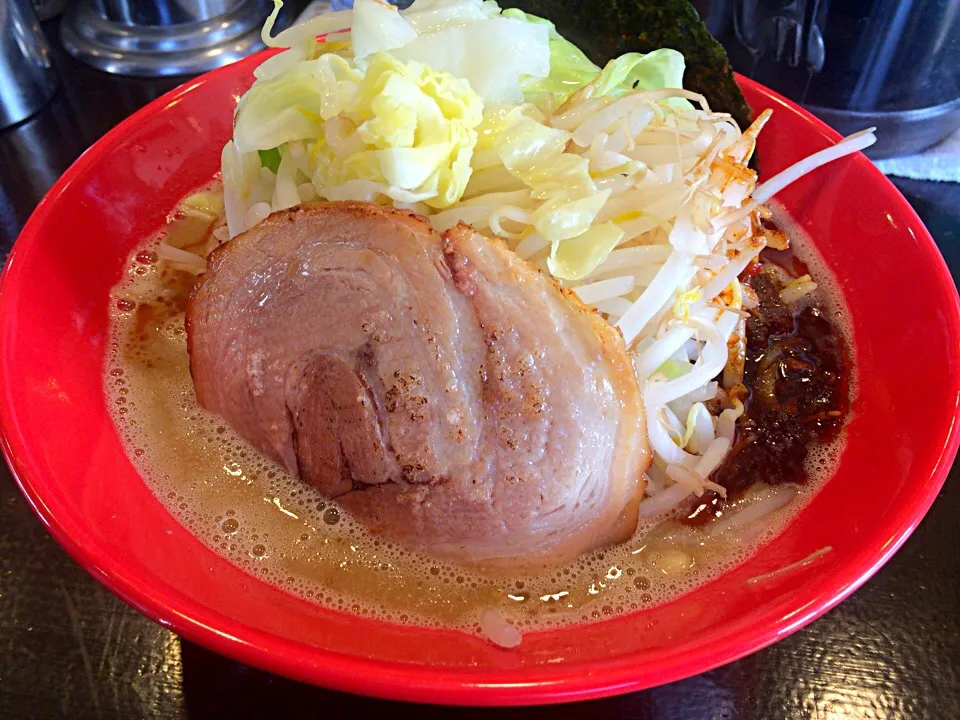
{"x": 351, "y": 673}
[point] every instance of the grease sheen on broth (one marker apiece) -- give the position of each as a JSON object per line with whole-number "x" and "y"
{"x": 251, "y": 511}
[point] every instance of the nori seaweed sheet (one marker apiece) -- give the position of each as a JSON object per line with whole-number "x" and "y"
{"x": 604, "y": 29}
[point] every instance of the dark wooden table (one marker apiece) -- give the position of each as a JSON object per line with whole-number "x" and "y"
{"x": 68, "y": 648}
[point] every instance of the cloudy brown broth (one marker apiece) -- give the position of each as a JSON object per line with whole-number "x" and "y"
{"x": 252, "y": 512}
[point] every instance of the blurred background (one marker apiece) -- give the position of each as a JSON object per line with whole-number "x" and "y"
{"x": 894, "y": 64}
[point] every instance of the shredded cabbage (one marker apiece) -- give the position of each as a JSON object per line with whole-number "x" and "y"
{"x": 570, "y": 69}
{"x": 492, "y": 54}
{"x": 579, "y": 256}
{"x": 418, "y": 129}
{"x": 378, "y": 26}
{"x": 293, "y": 105}
{"x": 661, "y": 68}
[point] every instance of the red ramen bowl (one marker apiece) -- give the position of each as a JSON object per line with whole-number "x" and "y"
{"x": 61, "y": 444}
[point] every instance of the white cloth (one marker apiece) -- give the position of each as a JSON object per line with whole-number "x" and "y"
{"x": 940, "y": 162}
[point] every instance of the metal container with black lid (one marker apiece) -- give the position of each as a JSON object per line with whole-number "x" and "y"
{"x": 894, "y": 64}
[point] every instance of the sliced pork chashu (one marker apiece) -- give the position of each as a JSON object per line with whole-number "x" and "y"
{"x": 438, "y": 386}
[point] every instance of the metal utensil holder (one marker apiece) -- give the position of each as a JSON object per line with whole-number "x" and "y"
{"x": 162, "y": 37}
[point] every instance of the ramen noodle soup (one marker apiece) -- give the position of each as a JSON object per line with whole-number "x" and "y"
{"x": 475, "y": 295}
{"x": 253, "y": 512}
